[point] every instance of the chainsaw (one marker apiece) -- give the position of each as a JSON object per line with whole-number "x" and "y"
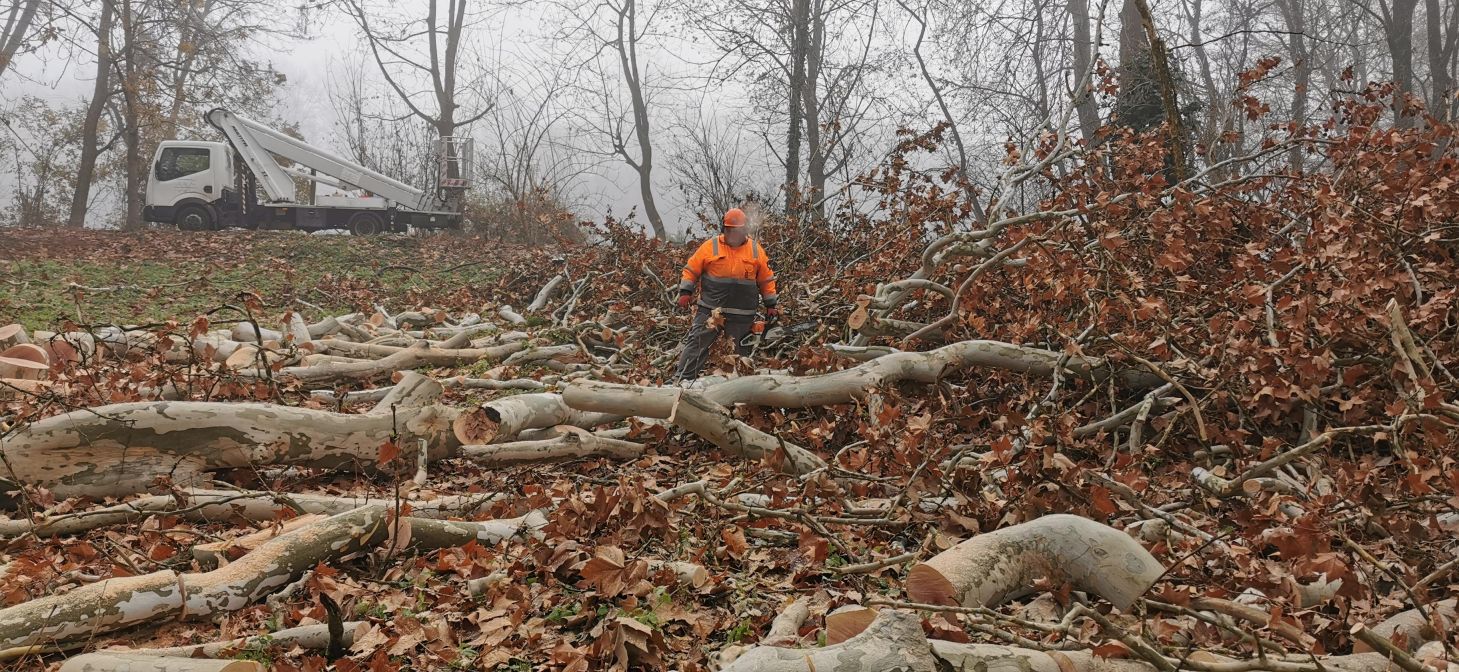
{"x": 764, "y": 332}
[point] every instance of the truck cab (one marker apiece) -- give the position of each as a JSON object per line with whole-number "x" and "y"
{"x": 188, "y": 182}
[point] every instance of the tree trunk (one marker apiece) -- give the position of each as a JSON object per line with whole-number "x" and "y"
{"x": 123, "y": 449}
{"x": 17, "y": 26}
{"x": 693, "y": 411}
{"x": 810, "y": 99}
{"x": 990, "y": 568}
{"x": 1441, "y": 49}
{"x": 132, "y": 85}
{"x": 840, "y": 387}
{"x": 118, "y": 661}
{"x": 799, "y": 27}
{"x": 100, "y": 92}
{"x": 1083, "y": 60}
{"x": 502, "y": 420}
{"x": 893, "y": 642}
{"x": 1398, "y": 32}
{"x": 1294, "y": 12}
{"x": 113, "y": 604}
{"x": 570, "y": 446}
{"x": 627, "y": 45}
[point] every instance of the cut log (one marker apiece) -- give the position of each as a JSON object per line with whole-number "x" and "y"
{"x": 571, "y": 445}
{"x": 923, "y": 367}
{"x": 427, "y": 533}
{"x": 244, "y": 332}
{"x": 848, "y": 621}
{"x": 299, "y": 331}
{"x": 13, "y": 334}
{"x": 693, "y": 411}
{"x": 113, "y": 604}
{"x": 990, "y": 568}
{"x": 109, "y": 661}
{"x": 893, "y": 642}
{"x": 502, "y": 420}
{"x": 15, "y": 388}
{"x": 26, "y": 361}
{"x": 425, "y": 354}
{"x": 511, "y": 316}
{"x": 687, "y": 573}
{"x": 1414, "y": 628}
{"x": 121, "y": 449}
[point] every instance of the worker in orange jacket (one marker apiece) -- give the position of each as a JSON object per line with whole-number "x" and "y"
{"x": 734, "y": 276}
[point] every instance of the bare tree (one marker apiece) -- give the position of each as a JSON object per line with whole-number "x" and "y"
{"x": 614, "y": 31}
{"x": 712, "y": 171}
{"x": 1083, "y": 56}
{"x": 19, "y": 17}
{"x": 392, "y": 45}
{"x": 100, "y": 94}
{"x": 1442, "y": 31}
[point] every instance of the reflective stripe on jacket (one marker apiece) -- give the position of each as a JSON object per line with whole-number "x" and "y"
{"x": 733, "y": 279}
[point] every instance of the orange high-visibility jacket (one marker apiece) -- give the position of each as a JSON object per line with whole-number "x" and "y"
{"x": 733, "y": 279}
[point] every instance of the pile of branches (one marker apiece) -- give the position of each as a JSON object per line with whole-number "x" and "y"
{"x": 1146, "y": 425}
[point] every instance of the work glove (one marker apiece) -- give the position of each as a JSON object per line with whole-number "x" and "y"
{"x": 772, "y": 312}
{"x": 685, "y": 300}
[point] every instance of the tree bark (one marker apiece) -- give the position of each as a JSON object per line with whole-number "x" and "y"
{"x": 799, "y": 29}
{"x": 117, "y": 661}
{"x": 122, "y": 449}
{"x": 16, "y": 28}
{"x": 113, "y": 604}
{"x": 627, "y": 46}
{"x": 693, "y": 411}
{"x": 570, "y": 446}
{"x": 1084, "y": 101}
{"x": 1294, "y": 12}
{"x": 100, "y": 93}
{"x": 503, "y": 419}
{"x": 1398, "y": 32}
{"x": 1441, "y": 47}
{"x": 923, "y": 367}
{"x": 991, "y": 568}
{"x": 893, "y": 642}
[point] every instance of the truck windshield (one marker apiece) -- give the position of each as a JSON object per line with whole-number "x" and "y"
{"x": 178, "y": 162}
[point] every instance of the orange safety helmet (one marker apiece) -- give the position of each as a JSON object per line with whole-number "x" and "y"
{"x": 733, "y": 218}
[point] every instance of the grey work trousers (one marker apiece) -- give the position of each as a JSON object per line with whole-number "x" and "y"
{"x": 701, "y": 337}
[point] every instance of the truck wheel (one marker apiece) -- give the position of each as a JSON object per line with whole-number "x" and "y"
{"x": 366, "y": 224}
{"x": 194, "y": 218}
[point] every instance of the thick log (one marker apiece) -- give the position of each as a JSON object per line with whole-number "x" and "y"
{"x": 120, "y": 449}
{"x": 431, "y": 355}
{"x": 511, "y": 316}
{"x": 116, "y": 661}
{"x": 26, "y": 361}
{"x": 991, "y": 568}
{"x": 1416, "y": 630}
{"x": 502, "y": 420}
{"x": 541, "y": 354}
{"x": 427, "y": 533}
{"x": 785, "y": 629}
{"x": 13, "y": 334}
{"x": 313, "y": 637}
{"x": 233, "y": 506}
{"x": 893, "y": 642}
{"x": 693, "y": 411}
{"x": 572, "y": 445}
{"x": 112, "y": 604}
{"x": 922, "y": 367}
{"x": 15, "y": 388}
{"x": 216, "y": 553}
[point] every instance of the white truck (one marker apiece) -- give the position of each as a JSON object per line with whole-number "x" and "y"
{"x": 203, "y": 186}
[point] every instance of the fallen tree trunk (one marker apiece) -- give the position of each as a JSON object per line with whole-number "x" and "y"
{"x": 113, "y": 604}
{"x": 401, "y": 359}
{"x": 233, "y": 506}
{"x": 426, "y": 353}
{"x": 693, "y": 411}
{"x": 843, "y": 386}
{"x": 895, "y": 641}
{"x": 1415, "y": 629}
{"x": 117, "y": 661}
{"x": 572, "y": 445}
{"x": 503, "y": 419}
{"x": 119, "y": 450}
{"x": 991, "y": 568}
